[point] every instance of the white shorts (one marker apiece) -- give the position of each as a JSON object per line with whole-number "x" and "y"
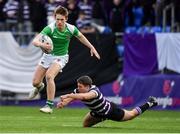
{"x": 48, "y": 59}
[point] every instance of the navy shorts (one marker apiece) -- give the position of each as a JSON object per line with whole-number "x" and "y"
{"x": 115, "y": 113}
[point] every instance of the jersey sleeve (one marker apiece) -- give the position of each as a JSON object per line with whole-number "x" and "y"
{"x": 76, "y": 31}
{"x": 95, "y": 92}
{"x": 46, "y": 31}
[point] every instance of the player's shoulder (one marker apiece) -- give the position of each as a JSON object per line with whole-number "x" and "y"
{"x": 95, "y": 89}
{"x": 52, "y": 26}
{"x": 70, "y": 27}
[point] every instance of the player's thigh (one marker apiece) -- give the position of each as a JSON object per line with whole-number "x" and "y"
{"x": 39, "y": 74}
{"x": 89, "y": 120}
{"x": 53, "y": 70}
{"x": 116, "y": 113}
{"x": 61, "y": 60}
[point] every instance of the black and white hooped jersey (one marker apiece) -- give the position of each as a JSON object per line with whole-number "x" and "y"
{"x": 99, "y": 104}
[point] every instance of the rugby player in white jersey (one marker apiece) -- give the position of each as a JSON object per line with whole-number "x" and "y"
{"x": 51, "y": 64}
{"x": 101, "y": 108}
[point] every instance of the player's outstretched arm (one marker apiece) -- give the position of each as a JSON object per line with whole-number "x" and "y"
{"x": 85, "y": 41}
{"x": 64, "y": 102}
{"x": 66, "y": 99}
{"x": 80, "y": 96}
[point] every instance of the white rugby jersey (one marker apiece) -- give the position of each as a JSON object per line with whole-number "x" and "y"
{"x": 99, "y": 105}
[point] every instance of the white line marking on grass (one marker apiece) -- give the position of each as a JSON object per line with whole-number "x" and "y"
{"x": 88, "y": 133}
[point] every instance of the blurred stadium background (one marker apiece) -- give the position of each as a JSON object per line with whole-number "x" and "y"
{"x": 138, "y": 40}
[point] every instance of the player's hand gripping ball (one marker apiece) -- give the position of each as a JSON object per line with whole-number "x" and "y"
{"x": 48, "y": 44}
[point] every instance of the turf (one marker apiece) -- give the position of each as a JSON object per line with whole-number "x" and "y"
{"x": 69, "y": 120}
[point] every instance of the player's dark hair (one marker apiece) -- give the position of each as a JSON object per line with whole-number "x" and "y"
{"x": 61, "y": 10}
{"x": 85, "y": 80}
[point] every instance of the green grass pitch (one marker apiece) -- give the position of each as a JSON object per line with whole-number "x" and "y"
{"x": 69, "y": 120}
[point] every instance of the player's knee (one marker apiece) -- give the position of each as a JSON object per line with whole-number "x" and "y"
{"x": 49, "y": 77}
{"x": 36, "y": 83}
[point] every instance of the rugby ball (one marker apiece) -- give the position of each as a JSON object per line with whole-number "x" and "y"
{"x": 46, "y": 39}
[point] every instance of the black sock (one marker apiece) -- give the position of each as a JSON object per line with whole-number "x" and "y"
{"x": 142, "y": 108}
